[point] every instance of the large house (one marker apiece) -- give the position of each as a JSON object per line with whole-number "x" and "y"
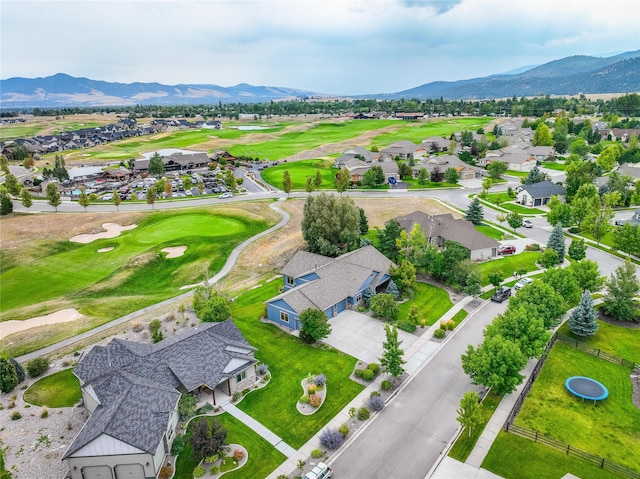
{"x": 132, "y": 390}
{"x": 176, "y": 161}
{"x": 539, "y": 194}
{"x": 329, "y": 284}
{"x": 440, "y": 228}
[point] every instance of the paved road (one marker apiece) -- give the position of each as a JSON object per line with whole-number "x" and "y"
{"x": 406, "y": 439}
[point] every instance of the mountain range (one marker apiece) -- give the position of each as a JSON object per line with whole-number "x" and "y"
{"x": 567, "y": 76}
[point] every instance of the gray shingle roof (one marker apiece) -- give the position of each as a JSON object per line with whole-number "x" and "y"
{"x": 136, "y": 383}
{"x": 544, "y": 189}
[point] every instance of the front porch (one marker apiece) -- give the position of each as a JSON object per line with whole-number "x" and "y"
{"x": 219, "y": 396}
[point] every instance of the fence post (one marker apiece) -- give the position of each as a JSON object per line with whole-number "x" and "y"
{"x": 598, "y": 353}
{"x": 568, "y": 447}
{"x": 602, "y": 464}
{"x": 536, "y": 436}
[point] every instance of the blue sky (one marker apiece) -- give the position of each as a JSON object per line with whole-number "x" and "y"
{"x": 330, "y": 46}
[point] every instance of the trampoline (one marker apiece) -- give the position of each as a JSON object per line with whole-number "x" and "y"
{"x": 586, "y": 388}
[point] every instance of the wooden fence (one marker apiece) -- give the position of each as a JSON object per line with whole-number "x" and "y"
{"x": 597, "y": 352}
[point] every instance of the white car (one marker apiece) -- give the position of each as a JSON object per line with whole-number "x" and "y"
{"x": 527, "y": 224}
{"x": 320, "y": 471}
{"x": 226, "y": 195}
{"x": 522, "y": 283}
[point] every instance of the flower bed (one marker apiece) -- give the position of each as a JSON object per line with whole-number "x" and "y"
{"x": 314, "y": 392}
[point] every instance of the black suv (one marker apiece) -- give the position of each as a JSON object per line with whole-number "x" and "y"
{"x": 501, "y": 294}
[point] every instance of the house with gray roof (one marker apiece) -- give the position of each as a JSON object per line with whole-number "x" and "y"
{"x": 132, "y": 391}
{"x": 176, "y": 162}
{"x": 403, "y": 149}
{"x": 539, "y": 194}
{"x": 331, "y": 285}
{"x": 440, "y": 228}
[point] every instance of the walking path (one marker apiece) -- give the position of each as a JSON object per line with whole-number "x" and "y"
{"x": 229, "y": 264}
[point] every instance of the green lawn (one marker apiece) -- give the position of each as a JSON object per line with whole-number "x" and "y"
{"x": 289, "y": 362}
{"x": 606, "y": 240}
{"x": 490, "y": 231}
{"x": 263, "y": 458}
{"x": 466, "y": 442}
{"x": 299, "y": 171}
{"x": 616, "y": 340}
{"x": 61, "y": 389}
{"x": 432, "y": 301}
{"x": 506, "y": 202}
{"x": 459, "y": 316}
{"x": 520, "y": 174}
{"x": 514, "y": 457}
{"x": 553, "y": 165}
{"x": 418, "y": 131}
{"x": 135, "y": 274}
{"x": 609, "y": 429}
{"x": 508, "y": 264}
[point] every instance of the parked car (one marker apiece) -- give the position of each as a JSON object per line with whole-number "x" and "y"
{"x": 501, "y": 294}
{"x": 226, "y": 195}
{"x": 522, "y": 283}
{"x": 506, "y": 249}
{"x": 527, "y": 224}
{"x": 320, "y": 471}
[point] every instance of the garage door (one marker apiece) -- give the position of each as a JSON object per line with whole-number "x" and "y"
{"x": 130, "y": 471}
{"x": 97, "y": 472}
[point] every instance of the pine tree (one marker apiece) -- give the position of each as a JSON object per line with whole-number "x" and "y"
{"x": 8, "y": 375}
{"x": 286, "y": 182}
{"x": 393, "y": 290}
{"x": 475, "y": 213}
{"x": 364, "y": 223}
{"x": 583, "y": 318}
{"x": 367, "y": 294}
{"x": 556, "y": 241}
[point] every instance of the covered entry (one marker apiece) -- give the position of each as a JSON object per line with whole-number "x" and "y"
{"x": 130, "y": 471}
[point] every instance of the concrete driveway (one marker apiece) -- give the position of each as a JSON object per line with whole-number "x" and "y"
{"x": 361, "y": 336}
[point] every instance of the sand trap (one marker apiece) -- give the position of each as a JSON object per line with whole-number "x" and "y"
{"x": 62, "y": 316}
{"x": 175, "y": 251}
{"x": 104, "y": 250}
{"x": 112, "y": 230}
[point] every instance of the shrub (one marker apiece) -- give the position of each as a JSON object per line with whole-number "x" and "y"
{"x": 352, "y": 412}
{"x": 137, "y": 327}
{"x": 236, "y": 396}
{"x": 154, "y": 329}
{"x": 15, "y": 415}
{"x": 451, "y": 324}
{"x": 363, "y": 413}
{"x": 574, "y": 230}
{"x": 376, "y": 403}
{"x": 44, "y": 412}
{"x": 331, "y": 438}
{"x": 37, "y": 366}
{"x": 317, "y": 453}
{"x": 311, "y": 389}
{"x": 439, "y": 333}
{"x": 368, "y": 375}
{"x": 344, "y": 430}
{"x": 214, "y": 470}
{"x": 358, "y": 373}
{"x": 187, "y": 405}
{"x": 266, "y": 377}
{"x": 238, "y": 454}
{"x": 178, "y": 445}
{"x": 19, "y": 369}
{"x": 315, "y": 400}
{"x": 406, "y": 326}
{"x": 443, "y": 325}
{"x": 304, "y": 400}
{"x": 386, "y": 385}
{"x": 374, "y": 393}
{"x": 263, "y": 369}
{"x": 165, "y": 472}
{"x": 374, "y": 367}
{"x": 211, "y": 459}
{"x": 199, "y": 471}
{"x": 532, "y": 247}
{"x": 320, "y": 380}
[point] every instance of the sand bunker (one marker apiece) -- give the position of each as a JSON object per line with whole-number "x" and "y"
{"x": 62, "y": 316}
{"x": 112, "y": 230}
{"x": 174, "y": 251}
{"x": 104, "y": 250}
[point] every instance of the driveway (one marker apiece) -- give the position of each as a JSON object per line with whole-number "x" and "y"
{"x": 361, "y": 336}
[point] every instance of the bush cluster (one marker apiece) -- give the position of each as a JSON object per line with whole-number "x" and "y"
{"x": 344, "y": 430}
{"x": 532, "y": 247}
{"x": 178, "y": 445}
{"x": 363, "y": 413}
{"x": 238, "y": 454}
{"x": 331, "y": 439}
{"x": 317, "y": 453}
{"x": 320, "y": 380}
{"x": 154, "y": 329}
{"x": 304, "y": 399}
{"x": 37, "y": 366}
{"x": 199, "y": 472}
{"x": 315, "y": 400}
{"x": 311, "y": 389}
{"x": 406, "y": 326}
{"x": 386, "y": 385}
{"x": 439, "y": 333}
{"x": 375, "y": 403}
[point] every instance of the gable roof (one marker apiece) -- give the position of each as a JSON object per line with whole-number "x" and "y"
{"x": 136, "y": 384}
{"x": 447, "y": 227}
{"x": 544, "y": 189}
{"x": 339, "y": 277}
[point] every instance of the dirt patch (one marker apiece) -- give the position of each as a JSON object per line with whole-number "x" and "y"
{"x": 174, "y": 251}
{"x": 111, "y": 230}
{"x": 63, "y": 316}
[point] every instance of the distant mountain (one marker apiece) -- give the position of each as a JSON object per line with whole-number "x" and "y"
{"x": 568, "y": 76}
{"x": 62, "y": 90}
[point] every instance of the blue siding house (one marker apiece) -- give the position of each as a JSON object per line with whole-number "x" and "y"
{"x": 331, "y": 285}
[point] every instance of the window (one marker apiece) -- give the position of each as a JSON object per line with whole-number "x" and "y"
{"x": 290, "y": 280}
{"x": 241, "y": 376}
{"x": 358, "y": 298}
{"x": 284, "y": 317}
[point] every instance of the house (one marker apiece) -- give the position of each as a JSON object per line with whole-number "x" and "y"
{"x": 633, "y": 221}
{"x": 630, "y": 169}
{"x": 403, "y": 149}
{"x": 444, "y": 162}
{"x": 331, "y": 285}
{"x": 132, "y": 390}
{"x": 440, "y": 228}
{"x": 539, "y": 194}
{"x": 435, "y": 144}
{"x": 356, "y": 152}
{"x": 515, "y": 158}
{"x": 176, "y": 162}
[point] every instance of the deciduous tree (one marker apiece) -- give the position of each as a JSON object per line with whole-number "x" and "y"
{"x": 627, "y": 239}
{"x": 496, "y": 169}
{"x": 342, "y": 180}
{"x": 286, "y": 182}
{"x": 12, "y": 184}
{"x": 451, "y": 176}
{"x": 151, "y": 197}
{"x": 116, "y": 200}
{"x": 210, "y": 305}
{"x": 521, "y": 325}
{"x": 469, "y": 412}
{"x": 423, "y": 176}
{"x": 577, "y": 249}
{"x": 83, "y": 198}
{"x": 542, "y": 136}
{"x": 25, "y": 198}
{"x": 622, "y": 288}
{"x": 330, "y": 224}
{"x": 384, "y": 306}
{"x": 6, "y": 205}
{"x": 392, "y": 354}
{"x": 404, "y": 276}
{"x": 543, "y": 301}
{"x": 314, "y": 326}
{"x": 515, "y": 220}
{"x": 156, "y": 165}
{"x": 587, "y": 275}
{"x": 535, "y": 175}
{"x": 207, "y": 438}
{"x": 387, "y": 240}
{"x": 53, "y": 195}
{"x": 317, "y": 181}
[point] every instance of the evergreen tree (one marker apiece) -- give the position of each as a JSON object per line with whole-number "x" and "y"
{"x": 364, "y": 223}
{"x": 308, "y": 187}
{"x": 59, "y": 170}
{"x": 583, "y": 318}
{"x": 286, "y": 182}
{"x": 19, "y": 369}
{"x": 156, "y": 165}
{"x": 8, "y": 375}
{"x": 534, "y": 176}
{"x": 475, "y": 213}
{"x": 556, "y": 241}
{"x": 391, "y": 359}
{"x": 577, "y": 249}
{"x": 387, "y": 240}
{"x": 6, "y": 205}
{"x": 367, "y": 294}
{"x": 393, "y": 290}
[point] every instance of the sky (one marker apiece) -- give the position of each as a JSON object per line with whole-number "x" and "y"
{"x": 330, "y": 46}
